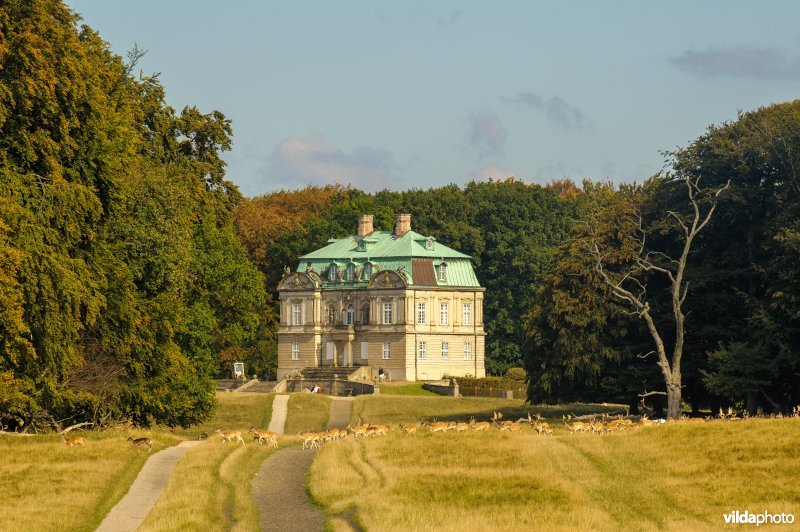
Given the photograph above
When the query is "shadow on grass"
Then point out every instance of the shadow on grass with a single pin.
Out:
(548, 412)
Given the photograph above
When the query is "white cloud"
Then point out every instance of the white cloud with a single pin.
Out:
(491, 171)
(296, 162)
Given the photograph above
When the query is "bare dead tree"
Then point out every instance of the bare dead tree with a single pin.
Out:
(628, 286)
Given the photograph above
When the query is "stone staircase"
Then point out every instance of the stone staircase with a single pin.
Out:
(327, 373)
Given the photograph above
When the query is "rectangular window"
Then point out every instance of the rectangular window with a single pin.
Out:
(443, 312)
(445, 351)
(387, 350)
(364, 350)
(421, 351)
(467, 351)
(329, 351)
(421, 313)
(467, 313)
(297, 314)
(295, 350)
(387, 313)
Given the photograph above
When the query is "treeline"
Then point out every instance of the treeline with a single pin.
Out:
(124, 288)
(742, 301)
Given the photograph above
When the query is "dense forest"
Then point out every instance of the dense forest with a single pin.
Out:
(133, 272)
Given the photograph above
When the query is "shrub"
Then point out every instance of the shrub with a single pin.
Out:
(516, 374)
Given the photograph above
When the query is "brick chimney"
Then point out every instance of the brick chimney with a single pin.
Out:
(365, 225)
(403, 225)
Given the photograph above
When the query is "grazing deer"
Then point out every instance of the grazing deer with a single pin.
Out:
(75, 440)
(408, 428)
(475, 425)
(264, 436)
(511, 426)
(142, 443)
(229, 435)
(575, 426)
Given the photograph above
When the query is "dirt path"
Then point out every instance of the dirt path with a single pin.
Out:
(279, 491)
(131, 510)
(279, 488)
(280, 406)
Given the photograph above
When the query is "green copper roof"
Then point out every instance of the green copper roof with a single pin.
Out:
(385, 251)
(382, 244)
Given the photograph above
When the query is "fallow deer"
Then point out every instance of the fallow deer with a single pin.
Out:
(75, 440)
(142, 443)
(229, 435)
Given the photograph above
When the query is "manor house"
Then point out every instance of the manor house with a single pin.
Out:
(398, 302)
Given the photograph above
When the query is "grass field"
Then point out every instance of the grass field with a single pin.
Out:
(676, 477)
(45, 485)
(307, 412)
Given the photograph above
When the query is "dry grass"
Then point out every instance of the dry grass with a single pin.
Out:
(45, 485)
(399, 409)
(307, 412)
(210, 487)
(678, 477)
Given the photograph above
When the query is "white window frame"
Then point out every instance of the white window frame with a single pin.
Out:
(445, 351)
(444, 311)
(422, 349)
(350, 272)
(422, 314)
(333, 272)
(366, 271)
(442, 273)
(467, 313)
(467, 350)
(349, 315)
(387, 350)
(364, 350)
(295, 350)
(297, 313)
(388, 313)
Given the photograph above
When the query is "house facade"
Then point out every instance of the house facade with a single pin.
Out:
(396, 301)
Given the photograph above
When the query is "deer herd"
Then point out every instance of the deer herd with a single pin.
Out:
(594, 424)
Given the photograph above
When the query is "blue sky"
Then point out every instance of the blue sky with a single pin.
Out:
(419, 94)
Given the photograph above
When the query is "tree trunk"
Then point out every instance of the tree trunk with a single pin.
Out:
(674, 409)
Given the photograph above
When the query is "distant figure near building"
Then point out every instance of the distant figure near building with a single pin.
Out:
(398, 301)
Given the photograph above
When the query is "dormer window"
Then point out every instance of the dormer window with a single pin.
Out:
(362, 245)
(430, 243)
(366, 273)
(333, 271)
(441, 272)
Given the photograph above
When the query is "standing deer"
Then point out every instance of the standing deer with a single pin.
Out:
(229, 435)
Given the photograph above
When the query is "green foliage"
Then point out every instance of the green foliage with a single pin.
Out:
(486, 383)
(516, 374)
(121, 279)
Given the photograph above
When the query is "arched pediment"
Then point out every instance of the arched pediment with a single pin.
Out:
(299, 282)
(387, 279)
